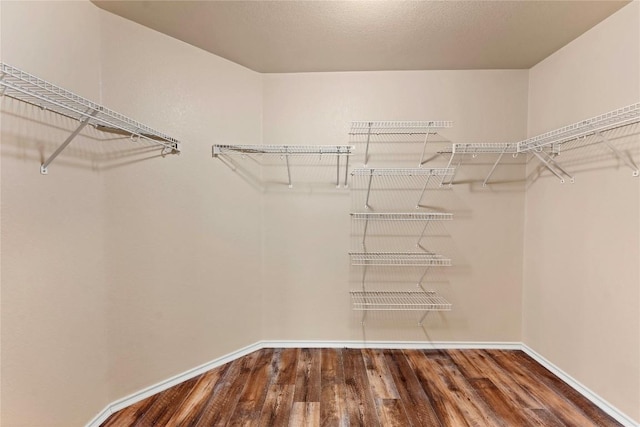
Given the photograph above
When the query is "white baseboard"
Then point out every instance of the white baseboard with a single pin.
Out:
(611, 410)
(168, 383)
(410, 345)
(402, 345)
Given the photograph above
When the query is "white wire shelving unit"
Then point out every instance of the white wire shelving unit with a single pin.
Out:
(399, 300)
(596, 126)
(399, 259)
(546, 147)
(28, 88)
(387, 173)
(402, 127)
(286, 151)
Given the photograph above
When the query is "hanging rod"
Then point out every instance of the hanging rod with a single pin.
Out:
(292, 150)
(27, 88)
(621, 117)
(399, 259)
(418, 216)
(399, 301)
(289, 150)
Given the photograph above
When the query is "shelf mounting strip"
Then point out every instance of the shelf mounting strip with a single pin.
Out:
(25, 87)
(425, 127)
(289, 150)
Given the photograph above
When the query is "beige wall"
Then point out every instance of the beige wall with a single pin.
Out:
(184, 246)
(308, 228)
(582, 240)
(121, 268)
(54, 349)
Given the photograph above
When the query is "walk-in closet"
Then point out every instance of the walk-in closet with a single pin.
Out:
(319, 213)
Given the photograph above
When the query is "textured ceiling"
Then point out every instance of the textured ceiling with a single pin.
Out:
(296, 36)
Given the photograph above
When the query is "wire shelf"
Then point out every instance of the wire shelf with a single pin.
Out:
(25, 87)
(397, 127)
(402, 171)
(399, 259)
(621, 117)
(485, 148)
(231, 149)
(387, 216)
(399, 301)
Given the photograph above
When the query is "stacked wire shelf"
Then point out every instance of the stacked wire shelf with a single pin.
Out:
(374, 187)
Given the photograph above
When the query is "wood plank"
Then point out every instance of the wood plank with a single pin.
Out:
(392, 413)
(247, 412)
(308, 376)
(598, 416)
(508, 414)
(556, 403)
(166, 403)
(509, 389)
(380, 379)
(284, 365)
(305, 414)
(333, 408)
(277, 406)
(188, 410)
(222, 402)
(129, 415)
(360, 405)
(416, 404)
(443, 395)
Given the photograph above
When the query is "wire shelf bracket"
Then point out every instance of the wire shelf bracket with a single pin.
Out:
(425, 127)
(20, 85)
(386, 172)
(286, 151)
(625, 158)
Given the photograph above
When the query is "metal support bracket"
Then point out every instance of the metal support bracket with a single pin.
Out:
(366, 151)
(44, 167)
(424, 147)
(346, 171)
(286, 157)
(486, 180)
(366, 202)
(423, 190)
(338, 169)
(552, 165)
(364, 234)
(626, 159)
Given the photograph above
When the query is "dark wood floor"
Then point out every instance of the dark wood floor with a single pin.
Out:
(340, 387)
